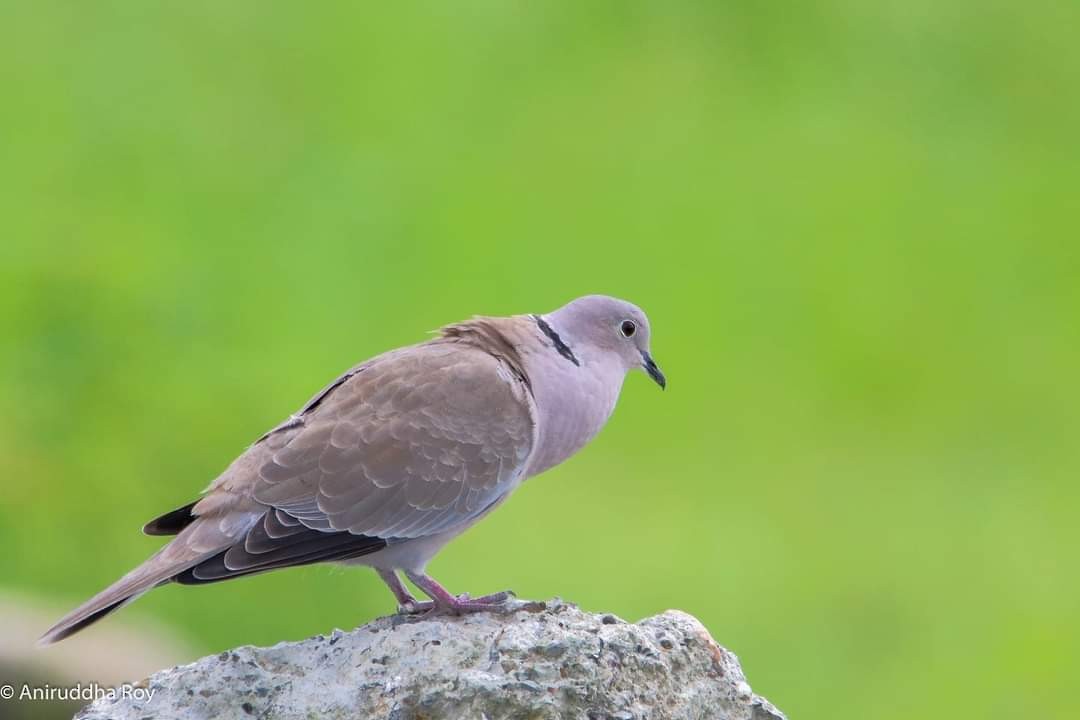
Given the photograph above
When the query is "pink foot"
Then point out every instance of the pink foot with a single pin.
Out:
(444, 601)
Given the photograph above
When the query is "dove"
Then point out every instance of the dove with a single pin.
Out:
(401, 454)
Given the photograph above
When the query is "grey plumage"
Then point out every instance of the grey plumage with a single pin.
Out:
(401, 454)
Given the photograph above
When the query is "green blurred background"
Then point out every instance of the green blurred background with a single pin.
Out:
(854, 227)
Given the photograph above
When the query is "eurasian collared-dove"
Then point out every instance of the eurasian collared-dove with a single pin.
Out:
(401, 454)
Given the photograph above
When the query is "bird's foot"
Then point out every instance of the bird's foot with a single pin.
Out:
(463, 604)
(443, 601)
(458, 604)
(498, 598)
(416, 607)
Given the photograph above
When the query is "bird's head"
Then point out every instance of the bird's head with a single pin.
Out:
(608, 327)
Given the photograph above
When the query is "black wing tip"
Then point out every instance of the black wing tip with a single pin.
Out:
(304, 548)
(171, 522)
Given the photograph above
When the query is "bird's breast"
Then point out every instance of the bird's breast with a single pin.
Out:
(572, 406)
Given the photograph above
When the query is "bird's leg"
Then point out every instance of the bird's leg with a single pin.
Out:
(406, 602)
(457, 604)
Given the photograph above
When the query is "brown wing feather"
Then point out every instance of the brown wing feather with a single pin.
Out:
(405, 448)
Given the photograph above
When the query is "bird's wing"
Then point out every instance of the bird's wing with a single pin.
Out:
(423, 441)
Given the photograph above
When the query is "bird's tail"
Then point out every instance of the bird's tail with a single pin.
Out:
(194, 544)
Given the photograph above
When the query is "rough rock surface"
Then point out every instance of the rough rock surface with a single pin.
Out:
(546, 660)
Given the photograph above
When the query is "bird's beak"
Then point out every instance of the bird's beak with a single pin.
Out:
(653, 370)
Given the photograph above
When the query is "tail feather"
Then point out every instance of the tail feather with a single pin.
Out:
(194, 544)
(145, 577)
(83, 617)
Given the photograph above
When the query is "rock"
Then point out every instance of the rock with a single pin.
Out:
(544, 660)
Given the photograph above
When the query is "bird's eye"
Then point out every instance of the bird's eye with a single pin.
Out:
(628, 328)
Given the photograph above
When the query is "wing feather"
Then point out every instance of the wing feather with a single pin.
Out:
(405, 448)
